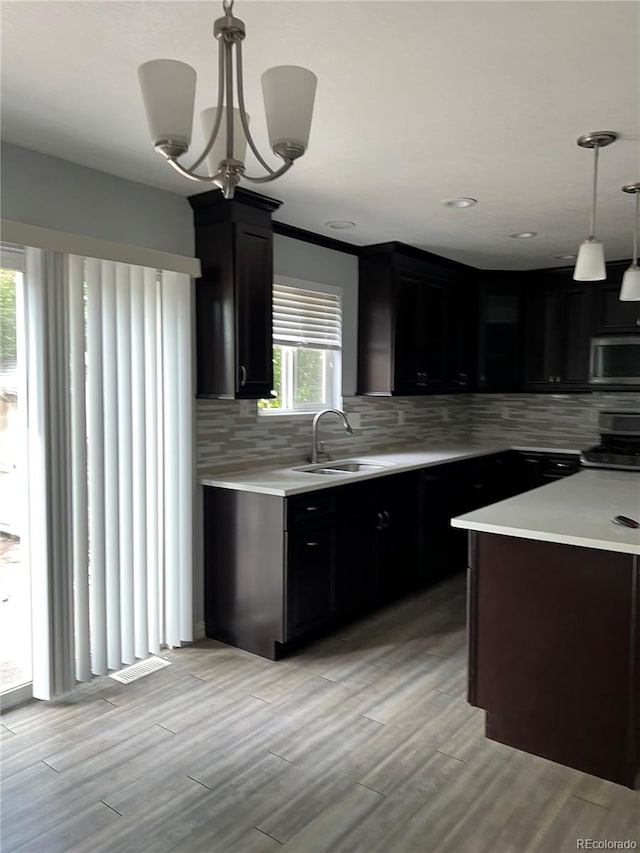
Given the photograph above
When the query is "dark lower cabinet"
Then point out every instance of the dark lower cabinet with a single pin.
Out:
(539, 469)
(279, 570)
(309, 581)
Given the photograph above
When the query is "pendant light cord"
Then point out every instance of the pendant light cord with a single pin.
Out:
(592, 232)
(636, 230)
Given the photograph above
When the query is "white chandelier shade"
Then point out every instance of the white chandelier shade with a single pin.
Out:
(168, 91)
(218, 149)
(630, 290)
(289, 92)
(590, 263)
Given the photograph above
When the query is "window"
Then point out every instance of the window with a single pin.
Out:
(307, 343)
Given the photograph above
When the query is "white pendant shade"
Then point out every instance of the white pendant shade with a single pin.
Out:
(219, 150)
(289, 92)
(590, 264)
(630, 290)
(168, 91)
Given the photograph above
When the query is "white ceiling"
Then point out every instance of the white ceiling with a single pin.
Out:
(416, 102)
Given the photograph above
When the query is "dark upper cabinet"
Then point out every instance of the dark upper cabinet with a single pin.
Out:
(611, 315)
(234, 296)
(558, 320)
(415, 328)
(499, 313)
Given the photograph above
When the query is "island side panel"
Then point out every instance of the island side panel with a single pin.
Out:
(553, 647)
(243, 559)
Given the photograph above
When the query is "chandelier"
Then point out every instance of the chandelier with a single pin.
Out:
(168, 91)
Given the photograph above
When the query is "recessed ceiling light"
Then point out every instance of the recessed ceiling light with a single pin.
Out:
(565, 257)
(340, 224)
(524, 235)
(459, 202)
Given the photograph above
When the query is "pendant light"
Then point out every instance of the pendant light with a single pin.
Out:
(630, 290)
(168, 91)
(590, 264)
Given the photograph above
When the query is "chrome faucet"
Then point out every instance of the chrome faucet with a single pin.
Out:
(318, 452)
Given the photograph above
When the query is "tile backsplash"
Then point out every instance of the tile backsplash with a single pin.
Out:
(544, 420)
(231, 434)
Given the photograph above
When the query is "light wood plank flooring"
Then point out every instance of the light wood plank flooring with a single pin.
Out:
(362, 742)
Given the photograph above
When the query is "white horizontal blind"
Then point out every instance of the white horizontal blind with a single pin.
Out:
(306, 318)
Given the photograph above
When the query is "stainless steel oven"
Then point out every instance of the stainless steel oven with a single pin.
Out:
(615, 360)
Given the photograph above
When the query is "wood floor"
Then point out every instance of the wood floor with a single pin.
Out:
(362, 742)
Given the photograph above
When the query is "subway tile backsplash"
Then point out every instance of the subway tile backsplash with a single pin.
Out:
(231, 434)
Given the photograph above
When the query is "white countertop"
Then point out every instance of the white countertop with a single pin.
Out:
(576, 510)
(286, 481)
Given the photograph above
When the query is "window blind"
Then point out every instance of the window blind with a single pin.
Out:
(306, 318)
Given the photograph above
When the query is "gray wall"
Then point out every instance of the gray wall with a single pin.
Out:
(52, 193)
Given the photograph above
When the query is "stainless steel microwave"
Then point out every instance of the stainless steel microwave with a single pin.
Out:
(615, 360)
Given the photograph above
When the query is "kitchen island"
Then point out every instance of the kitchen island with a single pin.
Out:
(554, 622)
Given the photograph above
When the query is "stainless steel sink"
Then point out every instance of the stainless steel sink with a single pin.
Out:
(342, 468)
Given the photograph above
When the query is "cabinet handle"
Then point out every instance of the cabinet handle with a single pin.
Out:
(561, 465)
(313, 544)
(551, 379)
(380, 524)
(558, 379)
(243, 375)
(311, 508)
(387, 518)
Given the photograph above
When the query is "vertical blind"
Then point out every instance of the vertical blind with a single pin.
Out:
(122, 491)
(306, 318)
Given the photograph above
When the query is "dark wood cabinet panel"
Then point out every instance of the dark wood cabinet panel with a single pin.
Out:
(553, 647)
(574, 327)
(234, 296)
(278, 570)
(499, 316)
(254, 311)
(558, 327)
(612, 315)
(416, 331)
(309, 581)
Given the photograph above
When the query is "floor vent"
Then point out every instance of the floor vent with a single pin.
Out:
(139, 670)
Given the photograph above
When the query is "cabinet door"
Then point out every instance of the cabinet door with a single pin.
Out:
(612, 315)
(433, 349)
(254, 312)
(499, 357)
(408, 355)
(420, 334)
(540, 339)
(356, 565)
(309, 581)
(460, 338)
(574, 324)
(397, 541)
(443, 549)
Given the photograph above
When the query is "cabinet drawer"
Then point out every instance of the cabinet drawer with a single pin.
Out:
(303, 509)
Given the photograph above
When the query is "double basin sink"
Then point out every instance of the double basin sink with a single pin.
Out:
(347, 466)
